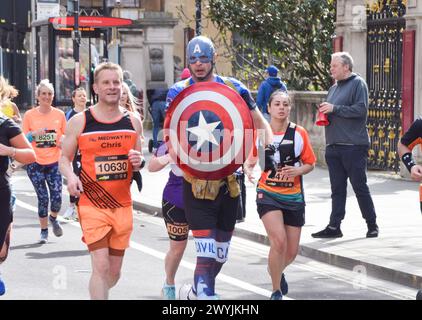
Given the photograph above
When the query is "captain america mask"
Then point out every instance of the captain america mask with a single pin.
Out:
(200, 49)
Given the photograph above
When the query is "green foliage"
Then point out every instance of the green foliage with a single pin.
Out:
(296, 35)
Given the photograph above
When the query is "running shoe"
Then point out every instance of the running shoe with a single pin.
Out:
(168, 292)
(186, 292)
(205, 297)
(69, 213)
(283, 283)
(44, 237)
(57, 228)
(2, 287)
(276, 295)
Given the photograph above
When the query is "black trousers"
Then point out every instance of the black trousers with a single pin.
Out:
(348, 162)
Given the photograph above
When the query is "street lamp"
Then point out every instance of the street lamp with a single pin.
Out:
(73, 9)
(106, 13)
(198, 17)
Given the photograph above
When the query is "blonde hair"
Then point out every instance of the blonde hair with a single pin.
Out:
(132, 101)
(7, 91)
(45, 83)
(107, 66)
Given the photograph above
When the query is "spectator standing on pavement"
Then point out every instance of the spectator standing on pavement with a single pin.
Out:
(267, 87)
(79, 99)
(158, 112)
(347, 143)
(211, 216)
(108, 139)
(13, 145)
(44, 127)
(7, 107)
(174, 217)
(280, 197)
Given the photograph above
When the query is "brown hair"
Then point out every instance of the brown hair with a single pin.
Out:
(108, 66)
(281, 92)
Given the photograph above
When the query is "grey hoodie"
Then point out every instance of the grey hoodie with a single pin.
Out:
(348, 119)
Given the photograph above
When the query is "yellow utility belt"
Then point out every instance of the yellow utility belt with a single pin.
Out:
(209, 189)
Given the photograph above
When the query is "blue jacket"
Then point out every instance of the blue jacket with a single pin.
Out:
(265, 90)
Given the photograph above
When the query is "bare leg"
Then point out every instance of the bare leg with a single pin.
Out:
(284, 241)
(173, 258)
(44, 223)
(54, 214)
(99, 282)
(115, 268)
(274, 225)
(293, 238)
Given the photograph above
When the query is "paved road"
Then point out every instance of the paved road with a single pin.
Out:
(61, 269)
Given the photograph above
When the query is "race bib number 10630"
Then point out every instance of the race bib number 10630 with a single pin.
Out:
(111, 167)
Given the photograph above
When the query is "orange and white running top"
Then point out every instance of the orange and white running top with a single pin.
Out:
(46, 146)
(106, 172)
(281, 187)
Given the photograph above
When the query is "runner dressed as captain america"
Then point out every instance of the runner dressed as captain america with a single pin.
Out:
(210, 205)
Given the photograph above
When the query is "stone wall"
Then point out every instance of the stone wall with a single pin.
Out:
(304, 112)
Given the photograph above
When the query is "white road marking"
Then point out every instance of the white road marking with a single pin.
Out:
(161, 255)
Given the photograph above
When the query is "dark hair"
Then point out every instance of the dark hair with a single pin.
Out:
(282, 92)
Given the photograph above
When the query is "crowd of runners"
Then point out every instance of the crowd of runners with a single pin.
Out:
(99, 152)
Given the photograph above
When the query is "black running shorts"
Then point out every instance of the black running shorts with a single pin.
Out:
(175, 220)
(6, 214)
(210, 214)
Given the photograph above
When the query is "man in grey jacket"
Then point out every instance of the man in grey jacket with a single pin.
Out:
(347, 142)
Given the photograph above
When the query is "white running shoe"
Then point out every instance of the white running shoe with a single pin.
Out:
(69, 214)
(186, 292)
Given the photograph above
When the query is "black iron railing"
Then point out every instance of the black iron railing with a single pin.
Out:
(385, 25)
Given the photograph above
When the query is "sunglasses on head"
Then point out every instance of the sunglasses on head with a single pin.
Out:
(202, 59)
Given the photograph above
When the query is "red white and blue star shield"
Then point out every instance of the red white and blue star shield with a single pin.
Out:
(209, 129)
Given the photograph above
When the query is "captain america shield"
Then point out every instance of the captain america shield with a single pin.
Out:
(209, 129)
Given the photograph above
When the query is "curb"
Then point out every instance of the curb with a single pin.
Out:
(370, 269)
